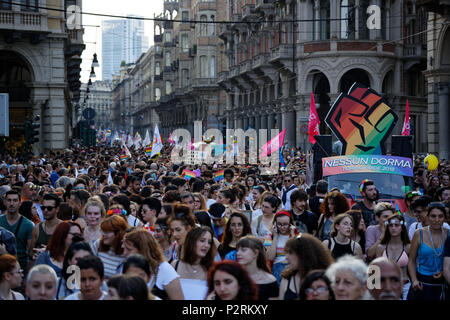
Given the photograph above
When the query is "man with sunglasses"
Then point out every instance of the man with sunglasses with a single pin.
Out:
(286, 191)
(43, 231)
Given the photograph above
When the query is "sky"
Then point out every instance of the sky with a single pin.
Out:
(92, 26)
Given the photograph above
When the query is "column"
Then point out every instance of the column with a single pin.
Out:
(245, 123)
(257, 123)
(444, 119)
(289, 125)
(264, 121)
(279, 119)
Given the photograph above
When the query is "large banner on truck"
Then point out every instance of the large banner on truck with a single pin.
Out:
(367, 163)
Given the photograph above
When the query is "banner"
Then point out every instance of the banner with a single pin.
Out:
(367, 163)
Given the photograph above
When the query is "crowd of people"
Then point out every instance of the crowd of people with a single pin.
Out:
(86, 224)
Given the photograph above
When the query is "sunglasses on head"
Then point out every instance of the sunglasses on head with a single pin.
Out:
(436, 205)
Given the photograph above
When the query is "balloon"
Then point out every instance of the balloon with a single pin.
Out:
(431, 162)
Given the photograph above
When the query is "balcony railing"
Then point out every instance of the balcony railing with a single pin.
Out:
(260, 60)
(23, 21)
(248, 11)
(282, 51)
(204, 82)
(414, 50)
(223, 76)
(245, 66)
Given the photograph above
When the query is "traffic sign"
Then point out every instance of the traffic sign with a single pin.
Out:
(89, 113)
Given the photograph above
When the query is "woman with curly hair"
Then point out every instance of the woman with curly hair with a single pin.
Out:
(236, 228)
(63, 236)
(109, 247)
(228, 280)
(303, 254)
(333, 204)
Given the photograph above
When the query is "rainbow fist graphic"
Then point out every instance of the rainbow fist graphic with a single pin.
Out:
(361, 120)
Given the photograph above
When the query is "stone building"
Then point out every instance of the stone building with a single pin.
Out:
(100, 99)
(40, 61)
(438, 75)
(281, 51)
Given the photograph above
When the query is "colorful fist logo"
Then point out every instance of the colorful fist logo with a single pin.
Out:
(361, 120)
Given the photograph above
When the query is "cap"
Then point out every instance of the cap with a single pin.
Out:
(216, 211)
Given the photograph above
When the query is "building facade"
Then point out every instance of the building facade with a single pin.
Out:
(438, 75)
(40, 59)
(292, 48)
(122, 40)
(100, 99)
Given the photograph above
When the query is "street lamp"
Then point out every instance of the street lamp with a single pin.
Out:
(95, 61)
(92, 75)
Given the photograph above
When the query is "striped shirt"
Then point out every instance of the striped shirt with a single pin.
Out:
(111, 261)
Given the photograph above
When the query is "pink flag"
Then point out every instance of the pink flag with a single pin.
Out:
(406, 127)
(273, 145)
(313, 127)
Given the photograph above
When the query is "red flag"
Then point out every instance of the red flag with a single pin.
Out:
(313, 127)
(406, 127)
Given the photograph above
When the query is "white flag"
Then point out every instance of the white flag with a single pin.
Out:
(130, 141)
(147, 140)
(157, 142)
(137, 140)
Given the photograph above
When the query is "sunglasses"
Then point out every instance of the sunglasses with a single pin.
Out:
(48, 208)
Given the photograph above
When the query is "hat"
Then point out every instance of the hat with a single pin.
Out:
(216, 211)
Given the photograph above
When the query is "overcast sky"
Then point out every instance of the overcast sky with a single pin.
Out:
(93, 34)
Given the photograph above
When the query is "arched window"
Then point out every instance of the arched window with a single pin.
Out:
(157, 30)
(157, 94)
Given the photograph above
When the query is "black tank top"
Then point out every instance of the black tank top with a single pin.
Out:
(43, 237)
(341, 249)
(289, 294)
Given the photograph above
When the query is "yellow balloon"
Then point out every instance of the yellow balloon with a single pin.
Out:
(431, 162)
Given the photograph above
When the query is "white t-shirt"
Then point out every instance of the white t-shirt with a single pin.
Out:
(194, 289)
(418, 225)
(77, 296)
(166, 274)
(262, 231)
(209, 202)
(133, 221)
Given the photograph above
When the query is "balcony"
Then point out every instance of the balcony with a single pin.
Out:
(223, 76)
(260, 60)
(158, 55)
(245, 66)
(281, 52)
(167, 69)
(204, 82)
(157, 77)
(234, 71)
(415, 51)
(75, 36)
(23, 21)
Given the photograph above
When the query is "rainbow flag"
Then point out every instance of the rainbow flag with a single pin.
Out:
(219, 175)
(188, 175)
(148, 150)
(123, 156)
(283, 164)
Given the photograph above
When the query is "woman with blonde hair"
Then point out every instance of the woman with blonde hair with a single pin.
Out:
(94, 212)
(340, 242)
(164, 281)
(109, 247)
